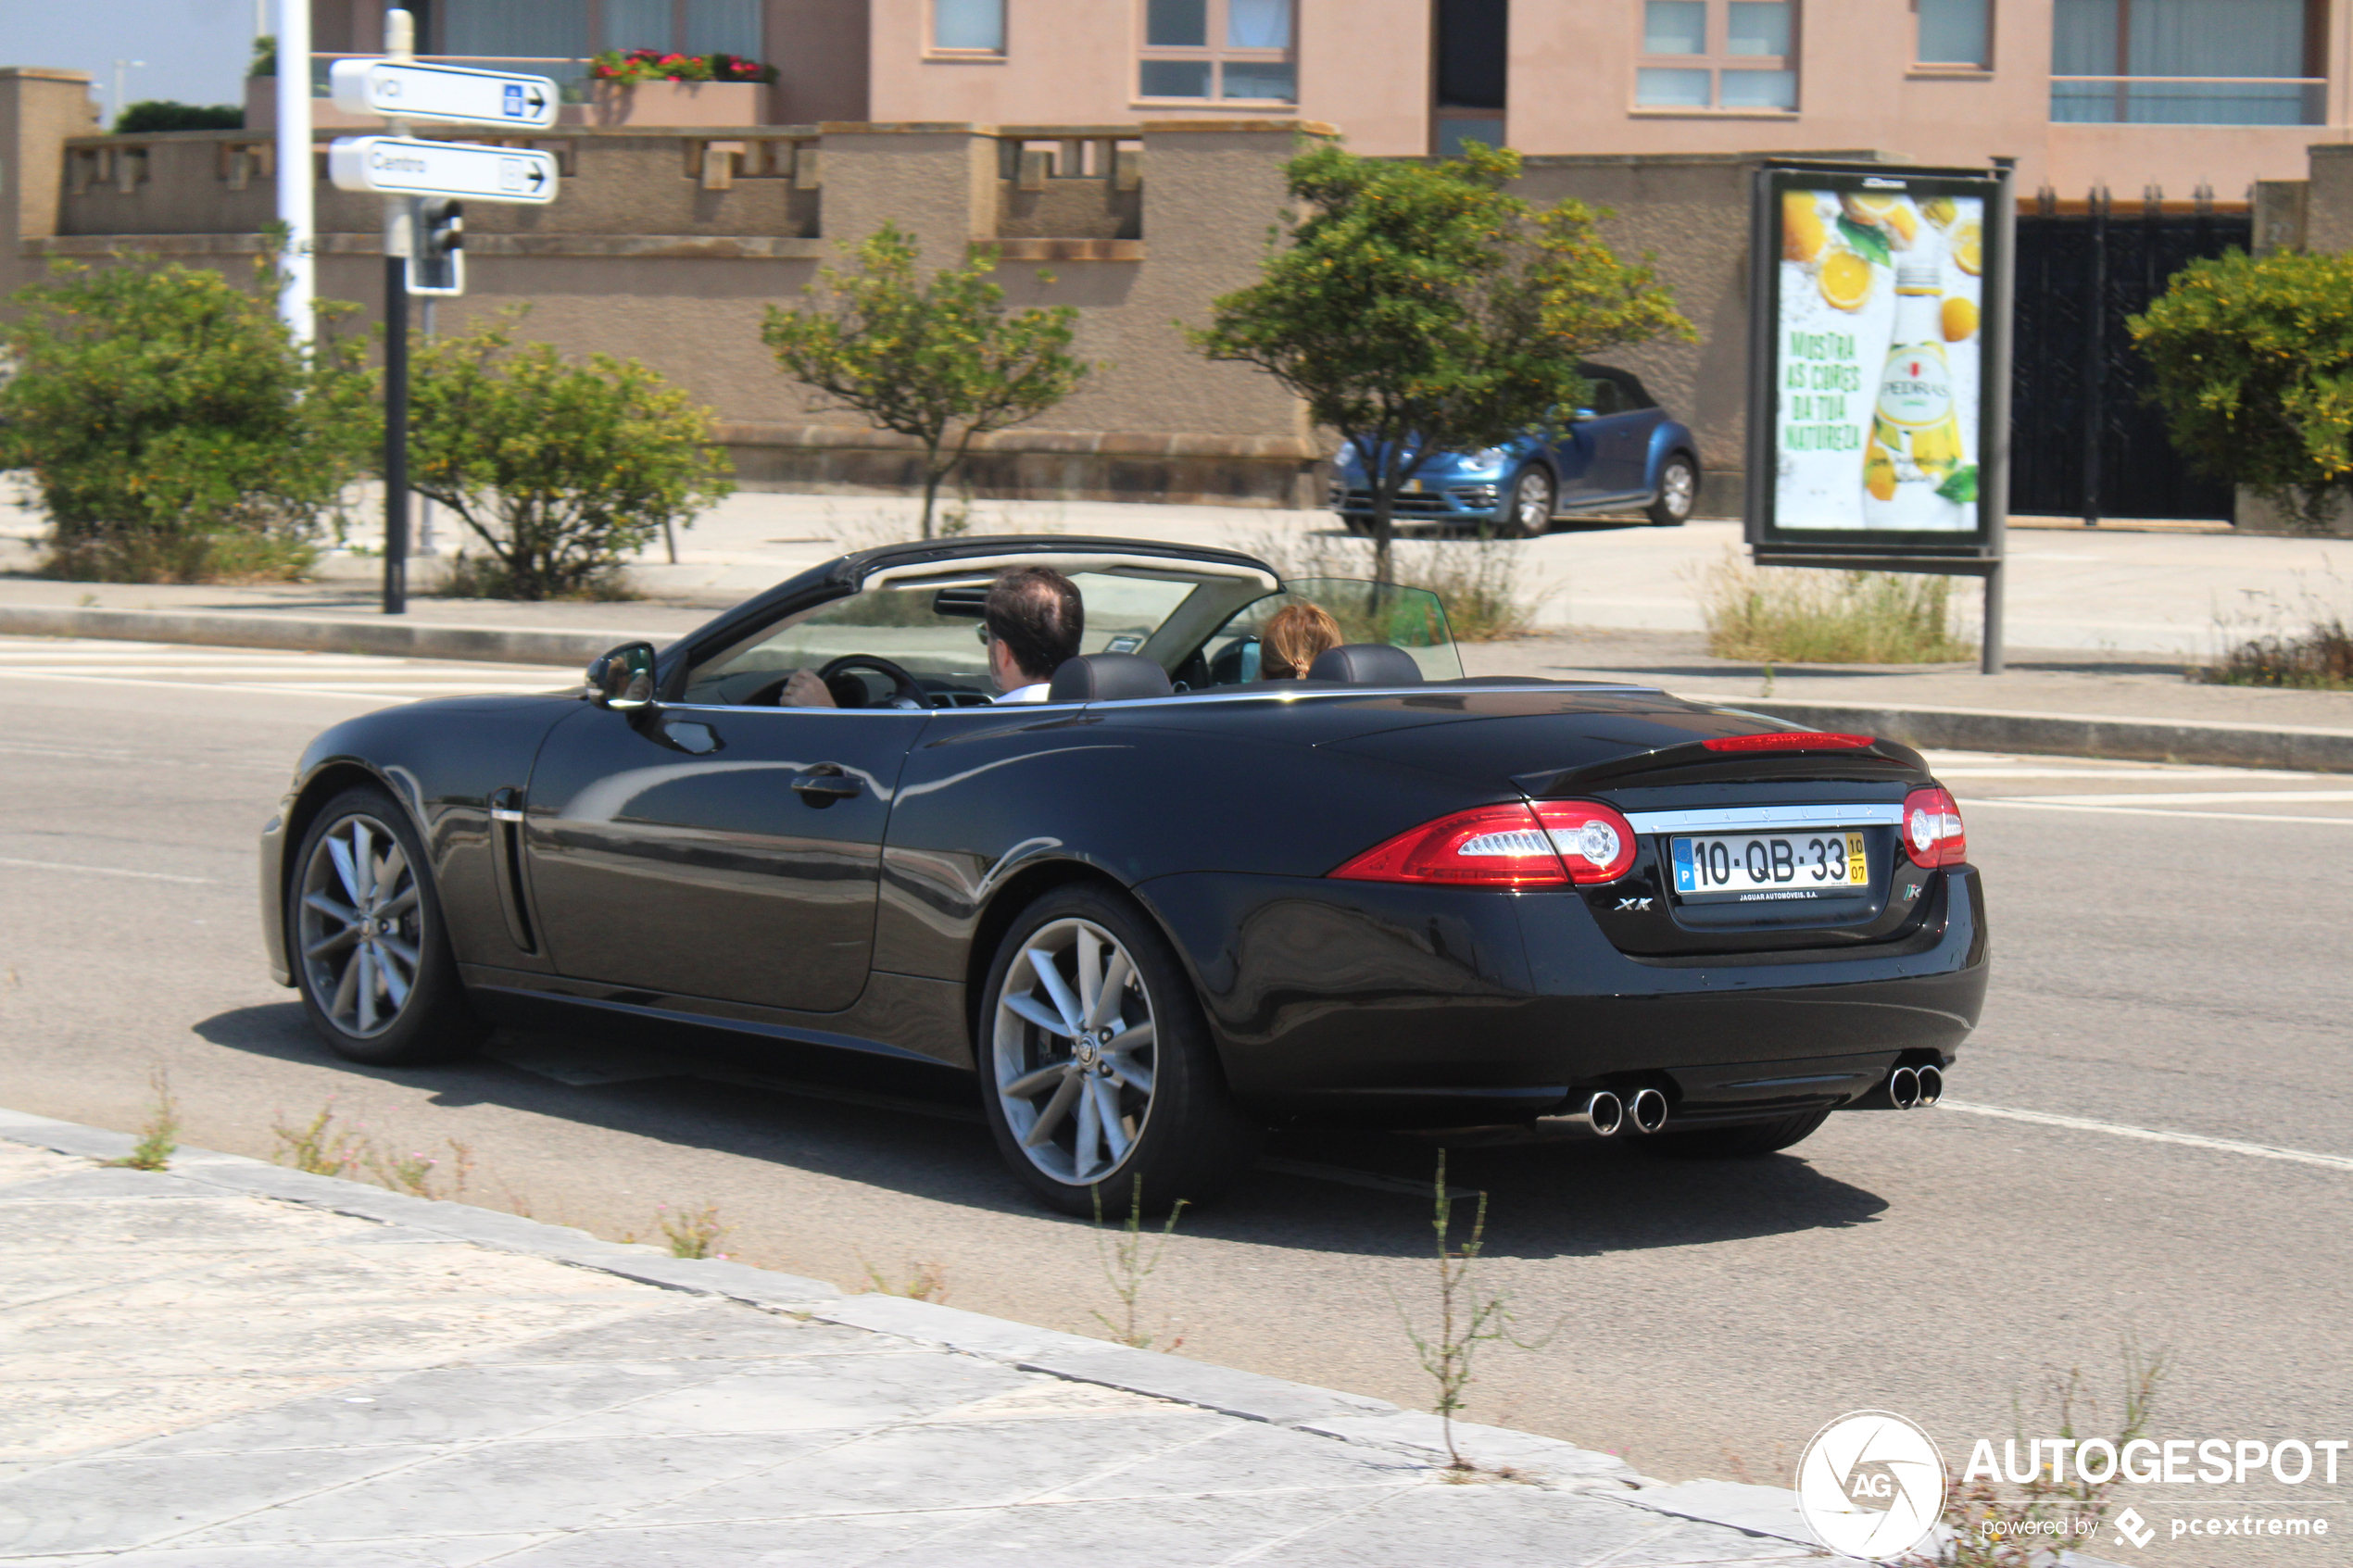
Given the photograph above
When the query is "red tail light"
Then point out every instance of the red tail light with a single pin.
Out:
(1932, 832)
(1788, 740)
(1553, 844)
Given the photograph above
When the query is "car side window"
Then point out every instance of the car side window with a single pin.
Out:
(1603, 397)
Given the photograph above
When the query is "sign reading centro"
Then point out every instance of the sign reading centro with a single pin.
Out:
(401, 165)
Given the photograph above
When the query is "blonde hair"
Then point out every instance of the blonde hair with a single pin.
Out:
(1294, 636)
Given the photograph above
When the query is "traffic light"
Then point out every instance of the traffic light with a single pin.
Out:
(437, 264)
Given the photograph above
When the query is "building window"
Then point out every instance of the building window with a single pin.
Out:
(2189, 62)
(1703, 54)
(1236, 50)
(968, 26)
(1954, 34)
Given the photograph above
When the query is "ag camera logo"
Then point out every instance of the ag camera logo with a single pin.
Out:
(1871, 1485)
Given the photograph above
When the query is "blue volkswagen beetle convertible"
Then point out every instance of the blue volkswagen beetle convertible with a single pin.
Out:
(1622, 452)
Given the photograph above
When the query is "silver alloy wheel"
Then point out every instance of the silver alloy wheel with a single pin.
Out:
(1532, 503)
(359, 926)
(1071, 1051)
(1677, 489)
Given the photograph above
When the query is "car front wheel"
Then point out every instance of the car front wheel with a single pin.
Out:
(1678, 493)
(1527, 506)
(1096, 1066)
(363, 928)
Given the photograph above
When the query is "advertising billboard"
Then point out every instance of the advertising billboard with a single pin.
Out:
(1875, 389)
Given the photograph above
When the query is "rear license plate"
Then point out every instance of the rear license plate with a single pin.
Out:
(1763, 867)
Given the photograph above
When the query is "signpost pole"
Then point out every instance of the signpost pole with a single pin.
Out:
(400, 44)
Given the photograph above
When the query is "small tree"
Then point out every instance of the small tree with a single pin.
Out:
(2253, 366)
(560, 470)
(173, 430)
(942, 361)
(1419, 309)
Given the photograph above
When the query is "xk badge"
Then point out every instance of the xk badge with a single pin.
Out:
(1634, 903)
(1871, 1485)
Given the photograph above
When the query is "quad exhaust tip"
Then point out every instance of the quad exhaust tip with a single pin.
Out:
(1647, 1110)
(1605, 1113)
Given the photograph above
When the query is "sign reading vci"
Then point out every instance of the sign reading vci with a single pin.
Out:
(1871, 399)
(397, 88)
(402, 167)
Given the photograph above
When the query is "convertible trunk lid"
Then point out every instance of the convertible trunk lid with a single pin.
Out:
(1737, 851)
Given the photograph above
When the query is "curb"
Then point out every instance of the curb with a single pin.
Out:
(1354, 1419)
(2295, 748)
(395, 636)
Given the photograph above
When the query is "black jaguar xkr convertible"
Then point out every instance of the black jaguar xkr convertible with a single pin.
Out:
(1167, 907)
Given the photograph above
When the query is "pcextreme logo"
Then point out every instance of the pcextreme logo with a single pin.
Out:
(1871, 1485)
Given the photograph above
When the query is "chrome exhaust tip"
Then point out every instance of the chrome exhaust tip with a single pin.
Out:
(1932, 1082)
(1605, 1113)
(1648, 1108)
(1904, 1088)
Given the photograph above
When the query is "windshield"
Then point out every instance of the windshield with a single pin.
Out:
(933, 631)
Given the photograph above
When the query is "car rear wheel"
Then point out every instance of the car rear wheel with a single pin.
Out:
(363, 926)
(1528, 504)
(1678, 493)
(1736, 1143)
(1096, 1066)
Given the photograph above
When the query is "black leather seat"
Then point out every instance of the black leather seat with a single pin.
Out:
(1108, 677)
(1367, 664)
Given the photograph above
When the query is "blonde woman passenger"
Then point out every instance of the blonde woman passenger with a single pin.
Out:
(1293, 637)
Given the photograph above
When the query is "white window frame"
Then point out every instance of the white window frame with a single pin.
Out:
(1720, 62)
(1217, 54)
(934, 49)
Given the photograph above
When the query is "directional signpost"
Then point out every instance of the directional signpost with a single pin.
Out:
(423, 182)
(402, 165)
(396, 90)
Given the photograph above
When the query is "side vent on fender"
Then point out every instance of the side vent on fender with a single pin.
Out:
(506, 841)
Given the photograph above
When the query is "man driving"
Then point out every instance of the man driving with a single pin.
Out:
(1031, 620)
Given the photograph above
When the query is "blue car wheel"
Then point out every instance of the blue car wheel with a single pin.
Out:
(1527, 511)
(1678, 491)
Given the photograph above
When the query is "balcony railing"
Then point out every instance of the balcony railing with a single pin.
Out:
(2189, 100)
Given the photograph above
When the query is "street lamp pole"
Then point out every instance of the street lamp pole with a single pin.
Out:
(120, 68)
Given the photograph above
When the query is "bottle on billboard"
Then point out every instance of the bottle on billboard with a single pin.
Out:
(1915, 440)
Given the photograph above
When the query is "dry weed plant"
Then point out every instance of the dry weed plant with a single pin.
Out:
(1803, 615)
(2307, 646)
(1128, 1259)
(923, 1281)
(692, 1231)
(1479, 581)
(323, 1146)
(158, 1138)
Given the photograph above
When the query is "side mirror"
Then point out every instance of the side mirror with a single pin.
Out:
(623, 679)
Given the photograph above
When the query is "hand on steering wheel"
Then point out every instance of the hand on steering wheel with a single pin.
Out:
(903, 684)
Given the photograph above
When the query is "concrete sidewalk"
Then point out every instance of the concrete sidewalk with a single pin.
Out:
(232, 1365)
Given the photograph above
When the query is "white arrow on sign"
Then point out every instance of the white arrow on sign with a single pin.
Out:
(412, 91)
(400, 165)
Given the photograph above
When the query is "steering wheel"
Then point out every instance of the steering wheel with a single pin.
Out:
(905, 685)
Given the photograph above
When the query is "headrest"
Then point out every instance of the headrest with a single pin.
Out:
(1108, 677)
(1367, 664)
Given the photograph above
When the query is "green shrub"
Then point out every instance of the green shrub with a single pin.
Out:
(560, 470)
(163, 114)
(1799, 615)
(2253, 358)
(174, 430)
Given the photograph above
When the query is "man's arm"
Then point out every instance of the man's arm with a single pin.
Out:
(804, 689)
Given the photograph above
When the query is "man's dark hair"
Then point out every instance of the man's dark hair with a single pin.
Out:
(1036, 613)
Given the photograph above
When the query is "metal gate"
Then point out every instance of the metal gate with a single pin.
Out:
(2085, 441)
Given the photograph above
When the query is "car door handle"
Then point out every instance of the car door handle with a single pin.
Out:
(824, 784)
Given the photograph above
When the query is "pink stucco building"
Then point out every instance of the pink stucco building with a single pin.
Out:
(2128, 94)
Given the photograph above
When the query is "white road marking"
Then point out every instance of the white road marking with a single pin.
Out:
(106, 870)
(2153, 1135)
(295, 671)
(2190, 797)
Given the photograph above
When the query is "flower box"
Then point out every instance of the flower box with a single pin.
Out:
(678, 103)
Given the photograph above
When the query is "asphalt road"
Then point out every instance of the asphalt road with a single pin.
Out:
(2170, 961)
